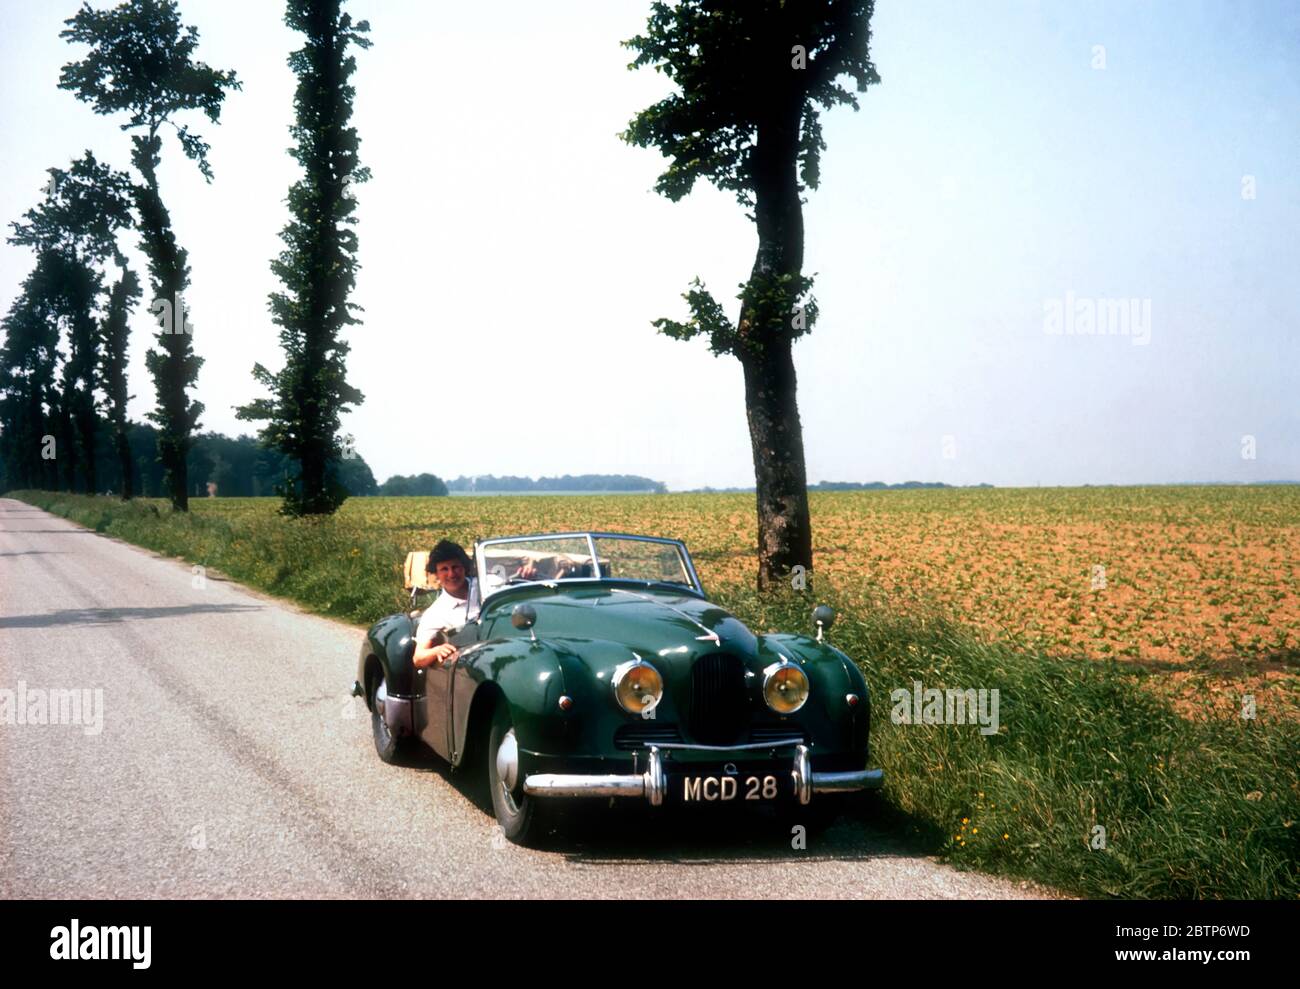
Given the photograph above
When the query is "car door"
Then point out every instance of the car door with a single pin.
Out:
(438, 694)
(460, 688)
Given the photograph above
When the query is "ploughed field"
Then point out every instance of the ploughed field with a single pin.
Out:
(1201, 584)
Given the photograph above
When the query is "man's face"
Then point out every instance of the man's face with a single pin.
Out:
(451, 576)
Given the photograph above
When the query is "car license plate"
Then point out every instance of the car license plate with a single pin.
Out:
(714, 789)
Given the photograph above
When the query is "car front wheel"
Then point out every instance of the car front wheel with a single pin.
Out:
(523, 818)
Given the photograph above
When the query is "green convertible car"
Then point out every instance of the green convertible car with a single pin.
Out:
(605, 672)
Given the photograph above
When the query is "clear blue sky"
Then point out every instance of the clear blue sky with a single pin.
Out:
(513, 254)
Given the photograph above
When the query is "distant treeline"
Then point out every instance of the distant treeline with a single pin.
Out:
(566, 482)
(239, 467)
(416, 484)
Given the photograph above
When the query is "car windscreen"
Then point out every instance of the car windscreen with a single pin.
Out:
(642, 559)
(551, 558)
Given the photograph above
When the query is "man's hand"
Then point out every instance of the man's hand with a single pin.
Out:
(444, 655)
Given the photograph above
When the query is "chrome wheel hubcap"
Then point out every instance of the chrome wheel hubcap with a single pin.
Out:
(508, 762)
(381, 698)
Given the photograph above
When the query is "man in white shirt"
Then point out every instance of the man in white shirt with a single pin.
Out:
(456, 605)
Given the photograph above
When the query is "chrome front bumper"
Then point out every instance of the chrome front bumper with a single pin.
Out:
(653, 783)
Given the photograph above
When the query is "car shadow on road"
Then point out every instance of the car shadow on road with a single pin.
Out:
(627, 831)
(630, 832)
(112, 616)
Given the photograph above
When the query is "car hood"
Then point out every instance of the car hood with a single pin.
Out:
(601, 625)
(589, 631)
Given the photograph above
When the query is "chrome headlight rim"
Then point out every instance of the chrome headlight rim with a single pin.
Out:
(771, 672)
(621, 673)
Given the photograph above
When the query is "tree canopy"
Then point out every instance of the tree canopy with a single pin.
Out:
(318, 264)
(141, 63)
(752, 78)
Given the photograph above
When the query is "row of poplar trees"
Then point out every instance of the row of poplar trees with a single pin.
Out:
(751, 78)
(140, 67)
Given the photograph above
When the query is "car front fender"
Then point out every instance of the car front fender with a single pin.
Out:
(389, 645)
(528, 676)
(832, 678)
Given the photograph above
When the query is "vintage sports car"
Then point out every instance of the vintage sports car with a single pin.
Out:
(598, 668)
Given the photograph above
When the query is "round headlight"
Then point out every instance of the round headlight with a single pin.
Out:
(785, 687)
(638, 686)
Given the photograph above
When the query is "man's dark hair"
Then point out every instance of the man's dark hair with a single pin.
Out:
(447, 550)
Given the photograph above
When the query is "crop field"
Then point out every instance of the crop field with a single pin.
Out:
(1199, 583)
(1127, 629)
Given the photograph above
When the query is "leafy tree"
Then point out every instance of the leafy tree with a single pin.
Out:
(141, 62)
(74, 232)
(117, 331)
(317, 266)
(70, 406)
(27, 383)
(752, 77)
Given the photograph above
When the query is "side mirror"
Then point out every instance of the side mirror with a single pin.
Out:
(823, 618)
(524, 616)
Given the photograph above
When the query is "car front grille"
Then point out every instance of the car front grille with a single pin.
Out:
(632, 737)
(638, 736)
(719, 708)
(777, 734)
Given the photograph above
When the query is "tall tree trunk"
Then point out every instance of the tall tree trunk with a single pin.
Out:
(85, 359)
(776, 438)
(35, 468)
(113, 369)
(46, 470)
(83, 399)
(765, 352)
(87, 441)
(65, 454)
(172, 368)
(124, 463)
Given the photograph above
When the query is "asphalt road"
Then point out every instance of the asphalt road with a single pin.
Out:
(228, 760)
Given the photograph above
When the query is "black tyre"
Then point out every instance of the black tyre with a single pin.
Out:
(390, 747)
(524, 820)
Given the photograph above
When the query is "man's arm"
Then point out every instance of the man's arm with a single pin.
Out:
(431, 646)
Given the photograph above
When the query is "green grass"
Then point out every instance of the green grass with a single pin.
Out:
(1200, 807)
(330, 566)
(1192, 808)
